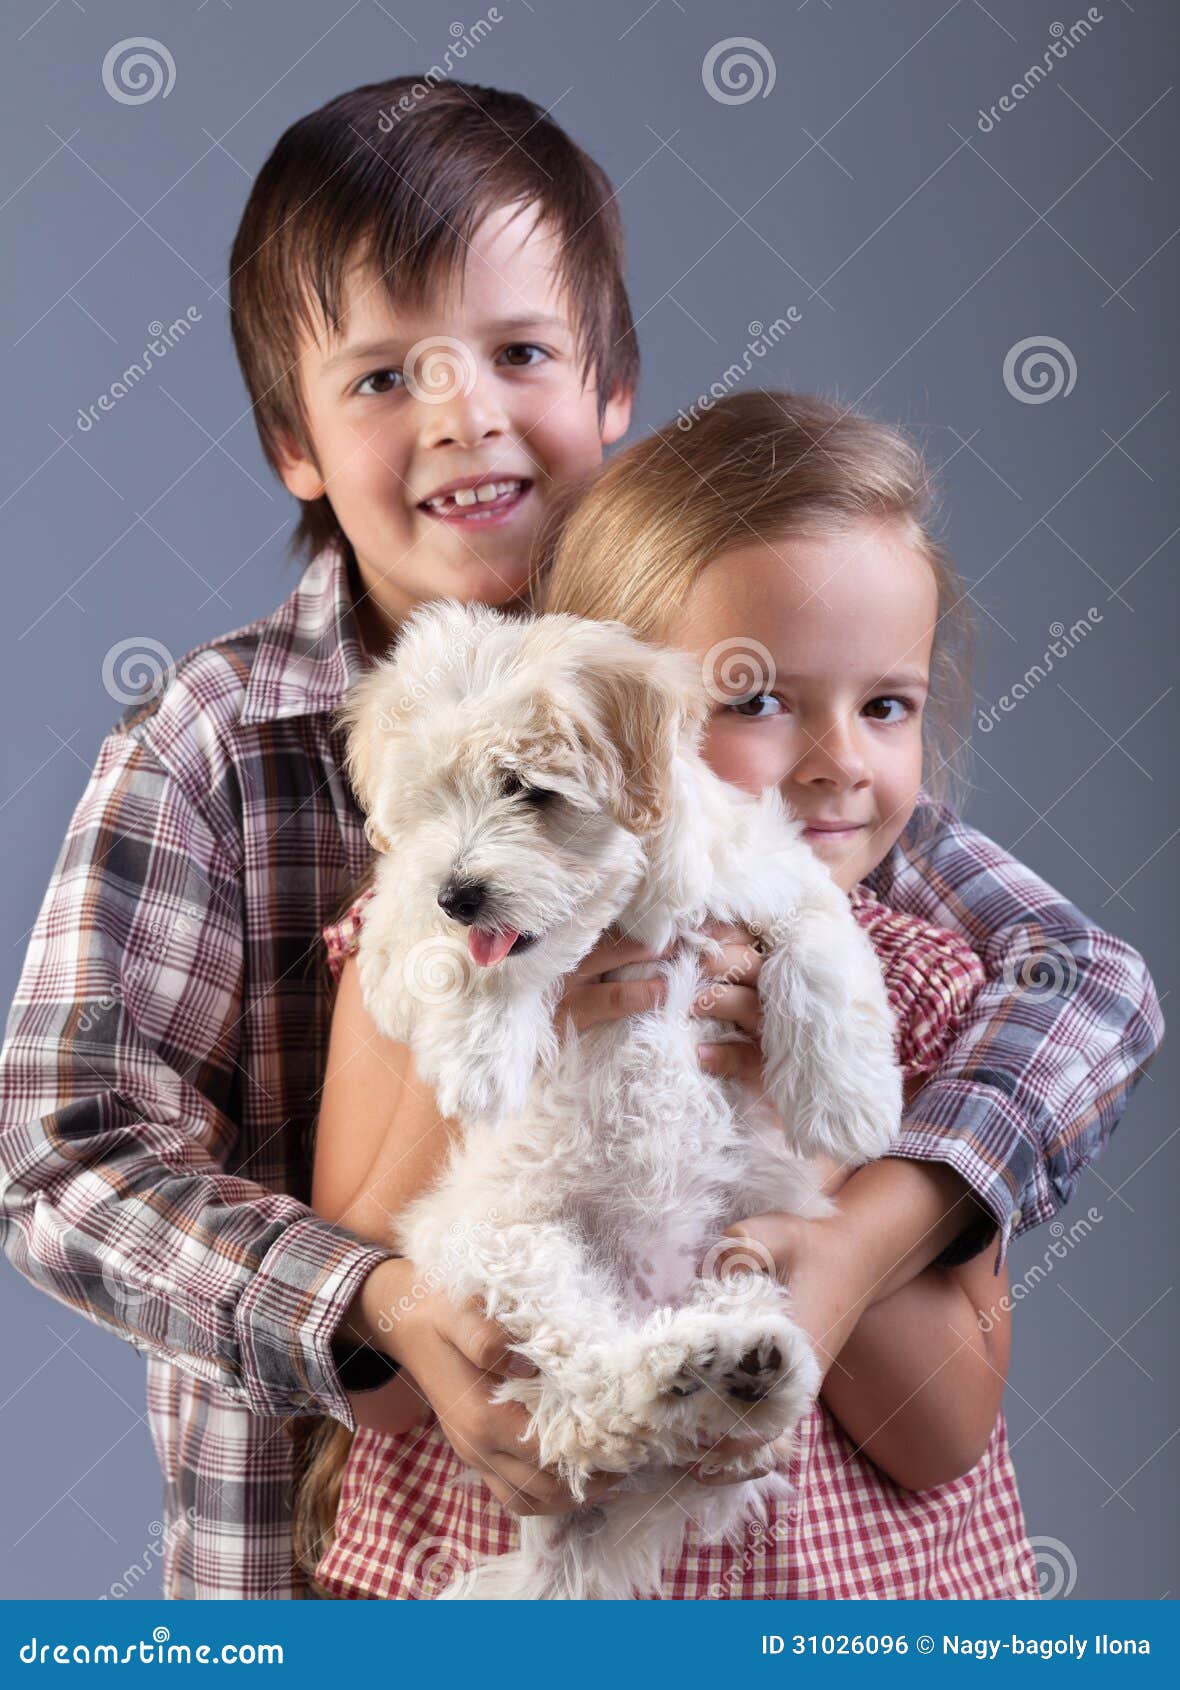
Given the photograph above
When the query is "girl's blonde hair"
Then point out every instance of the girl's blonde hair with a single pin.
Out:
(756, 467)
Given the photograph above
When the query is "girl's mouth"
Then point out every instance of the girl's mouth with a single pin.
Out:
(488, 506)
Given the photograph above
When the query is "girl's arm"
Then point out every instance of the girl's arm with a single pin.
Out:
(918, 1385)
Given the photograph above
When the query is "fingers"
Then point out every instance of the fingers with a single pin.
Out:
(609, 1000)
(740, 959)
(523, 1489)
(757, 1459)
(734, 1475)
(613, 950)
(736, 1061)
(727, 1002)
(486, 1345)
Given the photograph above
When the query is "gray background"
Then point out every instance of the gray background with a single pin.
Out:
(918, 251)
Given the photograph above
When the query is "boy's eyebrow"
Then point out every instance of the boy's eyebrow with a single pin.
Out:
(382, 348)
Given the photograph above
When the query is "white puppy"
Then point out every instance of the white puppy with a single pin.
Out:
(530, 783)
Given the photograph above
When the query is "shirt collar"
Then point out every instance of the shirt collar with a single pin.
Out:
(308, 652)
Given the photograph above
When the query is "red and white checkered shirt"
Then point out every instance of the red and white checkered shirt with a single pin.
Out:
(168, 1039)
(407, 1520)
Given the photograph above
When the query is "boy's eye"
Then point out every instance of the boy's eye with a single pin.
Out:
(752, 707)
(511, 352)
(888, 709)
(379, 380)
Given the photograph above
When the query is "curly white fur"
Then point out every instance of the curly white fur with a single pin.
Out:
(596, 1172)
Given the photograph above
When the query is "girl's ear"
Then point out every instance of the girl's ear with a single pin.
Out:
(649, 700)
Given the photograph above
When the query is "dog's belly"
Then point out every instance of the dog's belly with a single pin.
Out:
(661, 1149)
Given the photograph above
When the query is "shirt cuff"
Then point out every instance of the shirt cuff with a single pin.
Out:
(287, 1321)
(976, 1130)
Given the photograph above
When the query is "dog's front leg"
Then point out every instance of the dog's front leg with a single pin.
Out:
(828, 1033)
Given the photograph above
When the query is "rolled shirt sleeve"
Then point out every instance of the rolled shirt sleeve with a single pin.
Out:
(1052, 1046)
(118, 1081)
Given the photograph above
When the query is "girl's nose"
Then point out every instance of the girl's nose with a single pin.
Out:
(833, 757)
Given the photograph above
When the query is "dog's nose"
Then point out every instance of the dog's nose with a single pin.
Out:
(463, 899)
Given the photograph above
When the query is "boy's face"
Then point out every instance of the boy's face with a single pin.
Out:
(481, 384)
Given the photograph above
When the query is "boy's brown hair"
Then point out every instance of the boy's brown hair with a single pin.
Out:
(398, 175)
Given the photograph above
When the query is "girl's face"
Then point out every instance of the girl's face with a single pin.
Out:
(817, 655)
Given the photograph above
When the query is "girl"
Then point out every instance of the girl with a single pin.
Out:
(782, 541)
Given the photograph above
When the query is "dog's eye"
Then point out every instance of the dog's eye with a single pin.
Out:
(536, 796)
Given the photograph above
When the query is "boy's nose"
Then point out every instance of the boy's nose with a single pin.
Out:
(466, 416)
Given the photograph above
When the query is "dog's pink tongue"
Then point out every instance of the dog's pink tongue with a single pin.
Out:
(488, 948)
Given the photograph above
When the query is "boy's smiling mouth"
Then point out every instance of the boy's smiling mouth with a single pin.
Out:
(479, 501)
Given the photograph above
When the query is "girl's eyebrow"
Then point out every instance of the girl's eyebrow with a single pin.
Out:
(387, 348)
(910, 678)
(913, 679)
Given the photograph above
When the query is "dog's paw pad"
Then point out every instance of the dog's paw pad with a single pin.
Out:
(756, 1373)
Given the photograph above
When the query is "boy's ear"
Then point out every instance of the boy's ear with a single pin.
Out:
(616, 419)
(299, 473)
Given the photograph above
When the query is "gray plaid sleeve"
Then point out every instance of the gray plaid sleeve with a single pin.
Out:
(117, 1084)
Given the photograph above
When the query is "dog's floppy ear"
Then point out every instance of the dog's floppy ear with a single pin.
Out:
(429, 645)
(648, 698)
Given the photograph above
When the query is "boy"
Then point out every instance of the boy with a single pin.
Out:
(420, 309)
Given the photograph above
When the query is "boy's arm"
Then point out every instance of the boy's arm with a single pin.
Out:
(1047, 1056)
(117, 1087)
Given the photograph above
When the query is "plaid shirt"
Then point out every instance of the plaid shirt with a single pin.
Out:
(168, 1039)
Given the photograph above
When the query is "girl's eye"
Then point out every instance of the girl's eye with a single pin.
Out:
(377, 378)
(887, 709)
(750, 707)
(524, 346)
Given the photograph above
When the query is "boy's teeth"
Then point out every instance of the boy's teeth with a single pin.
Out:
(483, 495)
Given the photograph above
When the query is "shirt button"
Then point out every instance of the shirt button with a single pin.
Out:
(1016, 1217)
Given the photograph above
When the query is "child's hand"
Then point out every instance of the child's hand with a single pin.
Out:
(817, 1260)
(458, 1357)
(588, 999)
(732, 996)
